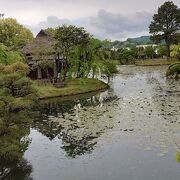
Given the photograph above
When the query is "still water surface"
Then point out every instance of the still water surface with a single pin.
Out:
(129, 132)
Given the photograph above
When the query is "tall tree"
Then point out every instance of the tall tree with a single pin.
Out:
(13, 34)
(166, 24)
(71, 41)
(17, 95)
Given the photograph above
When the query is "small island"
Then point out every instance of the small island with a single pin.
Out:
(58, 62)
(72, 87)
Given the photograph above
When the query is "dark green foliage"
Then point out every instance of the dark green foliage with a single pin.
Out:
(16, 96)
(150, 52)
(83, 53)
(72, 44)
(3, 54)
(173, 70)
(12, 128)
(109, 68)
(15, 170)
(162, 51)
(69, 37)
(166, 24)
(127, 56)
(14, 131)
(15, 85)
(8, 56)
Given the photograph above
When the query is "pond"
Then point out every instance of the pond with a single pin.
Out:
(129, 132)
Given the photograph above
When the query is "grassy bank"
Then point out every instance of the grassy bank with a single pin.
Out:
(155, 62)
(72, 87)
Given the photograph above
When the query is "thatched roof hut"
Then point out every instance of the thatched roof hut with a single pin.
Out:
(44, 41)
(42, 48)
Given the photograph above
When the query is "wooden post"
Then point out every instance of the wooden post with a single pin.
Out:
(55, 69)
(39, 73)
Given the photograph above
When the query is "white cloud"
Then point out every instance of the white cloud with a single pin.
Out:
(117, 19)
(51, 21)
(119, 26)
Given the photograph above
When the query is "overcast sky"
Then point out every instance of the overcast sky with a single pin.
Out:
(105, 19)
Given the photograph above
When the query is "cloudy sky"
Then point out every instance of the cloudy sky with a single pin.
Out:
(105, 19)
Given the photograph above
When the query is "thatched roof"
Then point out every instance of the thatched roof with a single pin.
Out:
(43, 40)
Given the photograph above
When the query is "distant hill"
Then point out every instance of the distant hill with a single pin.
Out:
(140, 40)
(130, 42)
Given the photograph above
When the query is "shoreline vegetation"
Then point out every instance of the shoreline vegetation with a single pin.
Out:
(72, 87)
(155, 62)
(150, 62)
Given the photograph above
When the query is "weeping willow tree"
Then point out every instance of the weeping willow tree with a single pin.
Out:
(86, 59)
(85, 55)
(69, 41)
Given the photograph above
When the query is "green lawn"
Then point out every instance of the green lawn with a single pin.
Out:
(72, 87)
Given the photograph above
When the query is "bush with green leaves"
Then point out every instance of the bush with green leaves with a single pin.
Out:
(19, 67)
(109, 68)
(173, 70)
(150, 52)
(17, 95)
(127, 56)
(8, 56)
(175, 51)
(16, 85)
(162, 51)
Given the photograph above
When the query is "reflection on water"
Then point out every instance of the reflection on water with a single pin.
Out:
(14, 141)
(78, 123)
(15, 170)
(131, 131)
